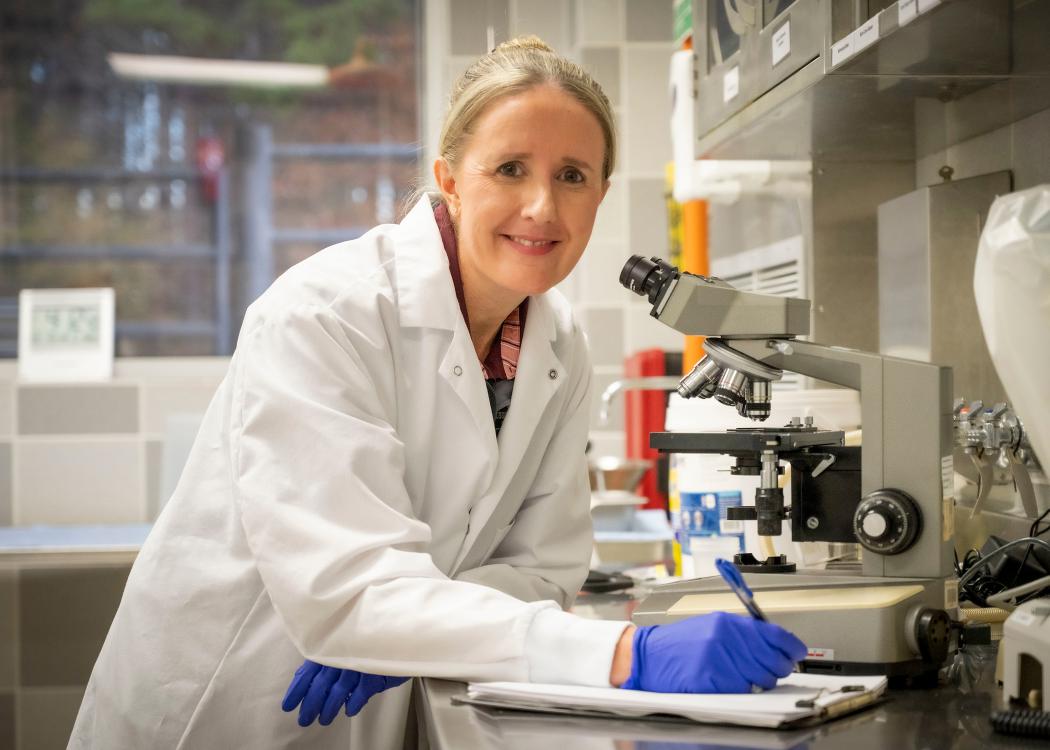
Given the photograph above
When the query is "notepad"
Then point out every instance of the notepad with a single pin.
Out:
(797, 700)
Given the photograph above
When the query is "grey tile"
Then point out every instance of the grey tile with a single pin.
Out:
(647, 108)
(650, 20)
(603, 63)
(7, 720)
(547, 19)
(7, 408)
(8, 631)
(601, 21)
(64, 615)
(77, 409)
(648, 218)
(45, 717)
(6, 481)
(163, 400)
(68, 482)
(154, 457)
(604, 327)
(469, 22)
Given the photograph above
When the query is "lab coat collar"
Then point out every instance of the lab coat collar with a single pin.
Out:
(426, 296)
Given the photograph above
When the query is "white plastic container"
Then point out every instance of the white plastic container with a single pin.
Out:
(831, 409)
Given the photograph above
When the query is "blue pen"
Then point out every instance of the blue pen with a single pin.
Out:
(736, 584)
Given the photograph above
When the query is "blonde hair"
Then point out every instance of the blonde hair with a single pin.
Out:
(513, 67)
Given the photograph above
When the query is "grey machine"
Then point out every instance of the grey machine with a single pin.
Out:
(892, 613)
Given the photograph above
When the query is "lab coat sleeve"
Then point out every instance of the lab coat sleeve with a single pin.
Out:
(546, 552)
(317, 475)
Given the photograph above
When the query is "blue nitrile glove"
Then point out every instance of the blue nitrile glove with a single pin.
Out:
(324, 690)
(715, 653)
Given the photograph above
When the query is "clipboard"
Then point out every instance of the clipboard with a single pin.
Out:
(798, 700)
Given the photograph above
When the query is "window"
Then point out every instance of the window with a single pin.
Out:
(185, 152)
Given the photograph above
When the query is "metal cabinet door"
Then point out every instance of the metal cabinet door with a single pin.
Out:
(723, 39)
(790, 35)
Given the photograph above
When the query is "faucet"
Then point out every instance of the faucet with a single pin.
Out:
(648, 383)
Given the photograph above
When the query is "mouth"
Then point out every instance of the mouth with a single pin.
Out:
(530, 245)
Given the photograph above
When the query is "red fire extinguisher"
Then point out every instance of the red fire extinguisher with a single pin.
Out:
(211, 156)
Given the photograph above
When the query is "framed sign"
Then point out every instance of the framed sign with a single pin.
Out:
(65, 334)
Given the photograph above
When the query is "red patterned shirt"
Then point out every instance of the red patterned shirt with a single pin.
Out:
(501, 362)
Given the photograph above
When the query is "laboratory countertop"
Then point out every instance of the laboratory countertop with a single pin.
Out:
(954, 716)
(71, 546)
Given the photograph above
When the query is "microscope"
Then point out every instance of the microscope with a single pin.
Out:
(893, 495)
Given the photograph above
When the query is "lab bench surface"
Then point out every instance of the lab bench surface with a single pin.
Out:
(954, 716)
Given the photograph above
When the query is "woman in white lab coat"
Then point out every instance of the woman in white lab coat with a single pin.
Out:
(348, 499)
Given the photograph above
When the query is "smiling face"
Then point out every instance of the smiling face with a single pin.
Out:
(524, 193)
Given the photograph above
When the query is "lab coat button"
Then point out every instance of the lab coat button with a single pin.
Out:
(457, 370)
(553, 374)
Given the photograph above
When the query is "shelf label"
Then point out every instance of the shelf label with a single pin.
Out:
(820, 654)
(866, 34)
(906, 11)
(925, 5)
(781, 43)
(841, 50)
(731, 83)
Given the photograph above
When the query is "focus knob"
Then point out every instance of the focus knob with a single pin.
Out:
(887, 521)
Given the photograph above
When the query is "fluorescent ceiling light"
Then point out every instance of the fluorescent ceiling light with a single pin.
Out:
(203, 71)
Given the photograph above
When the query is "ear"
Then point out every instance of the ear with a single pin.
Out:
(605, 189)
(446, 182)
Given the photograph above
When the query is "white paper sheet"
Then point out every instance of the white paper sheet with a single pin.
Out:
(772, 708)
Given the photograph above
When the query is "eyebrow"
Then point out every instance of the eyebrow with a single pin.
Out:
(567, 159)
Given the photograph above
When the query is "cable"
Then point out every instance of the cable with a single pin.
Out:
(1022, 723)
(1029, 540)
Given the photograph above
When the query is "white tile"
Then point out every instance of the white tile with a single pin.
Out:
(6, 450)
(611, 222)
(648, 109)
(163, 400)
(615, 422)
(78, 482)
(600, 21)
(547, 19)
(604, 328)
(607, 443)
(645, 332)
(602, 264)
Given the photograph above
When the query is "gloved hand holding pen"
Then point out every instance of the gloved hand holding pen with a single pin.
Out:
(713, 653)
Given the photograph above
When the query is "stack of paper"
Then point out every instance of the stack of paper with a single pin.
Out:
(797, 699)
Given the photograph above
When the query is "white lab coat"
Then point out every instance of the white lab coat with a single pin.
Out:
(344, 497)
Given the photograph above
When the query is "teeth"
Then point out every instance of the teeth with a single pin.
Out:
(530, 243)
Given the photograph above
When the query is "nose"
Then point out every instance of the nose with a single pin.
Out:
(540, 205)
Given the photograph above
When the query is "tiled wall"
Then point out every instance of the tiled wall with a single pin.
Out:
(626, 45)
(99, 452)
(85, 453)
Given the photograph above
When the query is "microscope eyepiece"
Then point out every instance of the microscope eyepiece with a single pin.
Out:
(647, 278)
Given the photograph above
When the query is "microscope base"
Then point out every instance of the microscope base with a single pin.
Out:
(852, 624)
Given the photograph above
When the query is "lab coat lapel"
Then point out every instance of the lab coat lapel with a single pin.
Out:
(540, 374)
(427, 299)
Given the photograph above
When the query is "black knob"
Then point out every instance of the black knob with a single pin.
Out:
(887, 521)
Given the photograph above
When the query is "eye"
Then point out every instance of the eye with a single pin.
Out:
(509, 169)
(574, 176)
